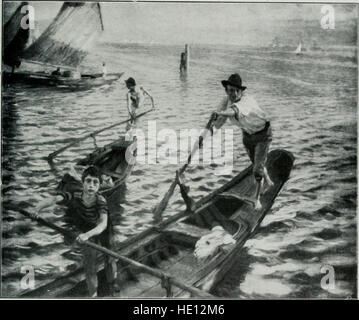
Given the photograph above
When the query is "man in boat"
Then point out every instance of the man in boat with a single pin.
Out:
(244, 112)
(88, 211)
(57, 72)
(135, 98)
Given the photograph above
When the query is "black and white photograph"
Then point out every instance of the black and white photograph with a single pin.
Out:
(179, 150)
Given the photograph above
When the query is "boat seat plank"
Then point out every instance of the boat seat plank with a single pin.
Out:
(146, 282)
(180, 265)
(134, 289)
(228, 195)
(188, 230)
(141, 242)
(186, 261)
(229, 225)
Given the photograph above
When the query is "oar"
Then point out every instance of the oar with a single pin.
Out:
(152, 271)
(54, 154)
(67, 234)
(158, 210)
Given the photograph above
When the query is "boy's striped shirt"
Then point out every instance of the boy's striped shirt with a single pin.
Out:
(85, 218)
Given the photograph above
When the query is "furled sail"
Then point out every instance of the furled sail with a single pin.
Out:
(15, 37)
(67, 39)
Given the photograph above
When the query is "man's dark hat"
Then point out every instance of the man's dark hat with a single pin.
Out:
(130, 81)
(234, 80)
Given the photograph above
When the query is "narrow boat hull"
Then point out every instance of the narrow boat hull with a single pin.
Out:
(43, 79)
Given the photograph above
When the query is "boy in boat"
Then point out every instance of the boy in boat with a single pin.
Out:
(106, 180)
(89, 213)
(244, 112)
(135, 97)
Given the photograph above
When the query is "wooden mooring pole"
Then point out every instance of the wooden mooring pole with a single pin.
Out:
(186, 50)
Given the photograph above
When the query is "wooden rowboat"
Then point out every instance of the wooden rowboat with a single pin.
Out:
(111, 161)
(169, 247)
(43, 79)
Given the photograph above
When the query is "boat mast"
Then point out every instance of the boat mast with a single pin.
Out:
(99, 9)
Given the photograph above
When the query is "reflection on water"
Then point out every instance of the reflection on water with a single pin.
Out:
(183, 75)
(312, 105)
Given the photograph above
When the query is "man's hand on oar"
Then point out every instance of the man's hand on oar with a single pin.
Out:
(82, 238)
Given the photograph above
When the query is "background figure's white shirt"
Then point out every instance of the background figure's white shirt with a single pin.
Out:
(251, 118)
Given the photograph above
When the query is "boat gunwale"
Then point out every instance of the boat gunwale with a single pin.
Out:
(55, 81)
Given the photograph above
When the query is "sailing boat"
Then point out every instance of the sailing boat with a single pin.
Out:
(63, 45)
(299, 49)
(275, 43)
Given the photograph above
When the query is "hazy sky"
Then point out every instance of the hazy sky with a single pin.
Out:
(163, 22)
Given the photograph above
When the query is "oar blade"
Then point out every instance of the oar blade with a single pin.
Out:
(161, 207)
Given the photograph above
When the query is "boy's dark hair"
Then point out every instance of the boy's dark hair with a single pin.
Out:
(93, 172)
(130, 82)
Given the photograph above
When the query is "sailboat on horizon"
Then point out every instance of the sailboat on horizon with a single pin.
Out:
(63, 45)
(275, 43)
(298, 50)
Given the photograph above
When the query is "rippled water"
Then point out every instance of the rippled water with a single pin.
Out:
(311, 99)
